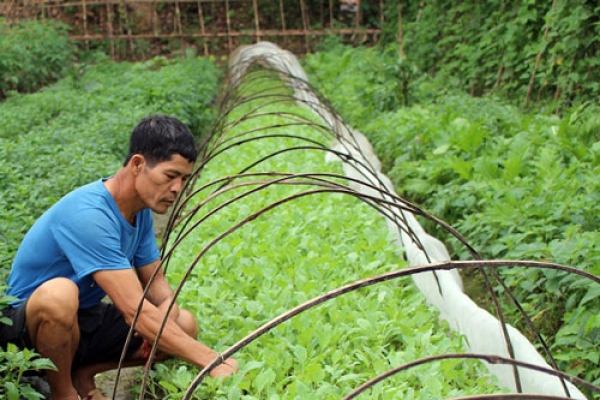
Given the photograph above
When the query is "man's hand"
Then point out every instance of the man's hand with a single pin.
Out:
(229, 367)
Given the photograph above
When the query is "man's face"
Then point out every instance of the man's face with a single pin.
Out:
(159, 186)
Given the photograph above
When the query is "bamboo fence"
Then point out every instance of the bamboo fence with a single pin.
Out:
(140, 28)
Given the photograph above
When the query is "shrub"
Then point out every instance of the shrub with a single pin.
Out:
(34, 54)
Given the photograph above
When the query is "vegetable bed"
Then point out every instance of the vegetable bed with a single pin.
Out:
(290, 254)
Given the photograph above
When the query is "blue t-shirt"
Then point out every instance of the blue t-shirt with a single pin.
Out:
(82, 233)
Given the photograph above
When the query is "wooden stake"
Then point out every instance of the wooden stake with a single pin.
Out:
(177, 23)
(256, 23)
(177, 19)
(281, 11)
(154, 18)
(85, 32)
(109, 21)
(202, 27)
(9, 13)
(322, 12)
(304, 24)
(230, 43)
(120, 30)
(127, 26)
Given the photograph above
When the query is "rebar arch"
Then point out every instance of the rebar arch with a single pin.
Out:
(505, 350)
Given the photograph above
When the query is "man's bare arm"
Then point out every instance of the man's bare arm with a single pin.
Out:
(125, 290)
(160, 292)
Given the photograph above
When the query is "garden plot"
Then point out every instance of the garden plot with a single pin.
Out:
(258, 98)
(268, 225)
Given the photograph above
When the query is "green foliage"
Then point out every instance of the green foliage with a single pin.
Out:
(74, 132)
(5, 301)
(34, 54)
(491, 46)
(77, 130)
(517, 186)
(13, 364)
(295, 252)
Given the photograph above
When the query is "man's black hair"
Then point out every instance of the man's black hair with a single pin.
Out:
(159, 137)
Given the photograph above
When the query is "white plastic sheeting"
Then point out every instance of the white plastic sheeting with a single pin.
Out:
(481, 329)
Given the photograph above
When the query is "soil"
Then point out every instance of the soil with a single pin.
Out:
(129, 379)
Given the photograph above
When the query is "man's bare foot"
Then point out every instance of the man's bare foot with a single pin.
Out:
(96, 395)
(67, 395)
(83, 382)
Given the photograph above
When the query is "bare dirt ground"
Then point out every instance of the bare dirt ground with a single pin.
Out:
(129, 379)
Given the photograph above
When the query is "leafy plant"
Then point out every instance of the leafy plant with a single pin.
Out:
(541, 53)
(14, 363)
(5, 300)
(297, 251)
(516, 185)
(34, 54)
(78, 133)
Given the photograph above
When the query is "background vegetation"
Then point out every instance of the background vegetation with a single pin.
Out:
(516, 185)
(528, 51)
(33, 55)
(291, 254)
(487, 116)
(77, 131)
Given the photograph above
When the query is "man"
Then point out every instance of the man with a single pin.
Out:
(99, 240)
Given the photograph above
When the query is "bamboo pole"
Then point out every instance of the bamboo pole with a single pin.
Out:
(120, 30)
(304, 24)
(538, 59)
(177, 19)
(177, 24)
(256, 21)
(322, 12)
(202, 27)
(9, 12)
(154, 17)
(127, 28)
(109, 21)
(229, 41)
(281, 11)
(85, 31)
(269, 33)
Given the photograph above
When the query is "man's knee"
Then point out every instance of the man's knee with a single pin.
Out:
(57, 299)
(188, 323)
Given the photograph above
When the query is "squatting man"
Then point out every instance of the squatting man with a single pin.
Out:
(99, 240)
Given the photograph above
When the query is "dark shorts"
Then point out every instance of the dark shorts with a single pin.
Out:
(102, 327)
